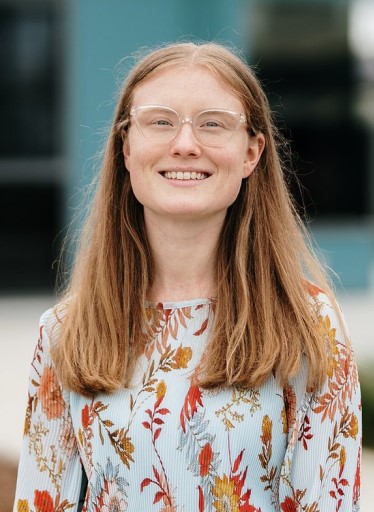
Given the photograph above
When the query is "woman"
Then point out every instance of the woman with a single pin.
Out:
(192, 365)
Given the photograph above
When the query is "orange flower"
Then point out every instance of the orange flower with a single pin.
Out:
(43, 502)
(205, 458)
(267, 426)
(50, 395)
(85, 417)
(312, 289)
(289, 505)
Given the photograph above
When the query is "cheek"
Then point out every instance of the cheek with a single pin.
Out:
(128, 159)
(234, 169)
(139, 159)
(233, 190)
(138, 165)
(232, 160)
(229, 189)
(138, 187)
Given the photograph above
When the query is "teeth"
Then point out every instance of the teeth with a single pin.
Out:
(179, 175)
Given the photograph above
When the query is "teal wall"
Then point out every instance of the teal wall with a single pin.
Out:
(102, 36)
(348, 249)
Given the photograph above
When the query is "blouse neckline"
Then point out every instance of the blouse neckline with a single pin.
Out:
(179, 304)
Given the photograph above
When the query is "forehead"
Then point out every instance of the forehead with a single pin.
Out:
(186, 87)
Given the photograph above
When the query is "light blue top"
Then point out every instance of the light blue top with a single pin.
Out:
(167, 445)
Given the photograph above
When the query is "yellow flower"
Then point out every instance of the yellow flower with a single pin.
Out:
(224, 490)
(161, 389)
(330, 337)
(267, 426)
(284, 420)
(353, 427)
(23, 506)
(27, 426)
(127, 445)
(183, 356)
(330, 333)
(343, 457)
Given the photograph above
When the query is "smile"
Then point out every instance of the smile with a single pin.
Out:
(186, 175)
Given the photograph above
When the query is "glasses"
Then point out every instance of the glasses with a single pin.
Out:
(161, 124)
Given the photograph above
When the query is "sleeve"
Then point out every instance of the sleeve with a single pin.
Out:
(50, 471)
(321, 470)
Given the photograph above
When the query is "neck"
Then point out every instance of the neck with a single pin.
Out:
(184, 257)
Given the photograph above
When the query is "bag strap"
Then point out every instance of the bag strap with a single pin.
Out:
(83, 490)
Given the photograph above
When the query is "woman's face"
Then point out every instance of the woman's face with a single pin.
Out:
(156, 168)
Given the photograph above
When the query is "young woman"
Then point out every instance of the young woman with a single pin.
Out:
(192, 365)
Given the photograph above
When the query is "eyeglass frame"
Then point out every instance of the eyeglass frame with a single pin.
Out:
(186, 119)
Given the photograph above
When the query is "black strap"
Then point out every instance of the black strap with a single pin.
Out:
(83, 491)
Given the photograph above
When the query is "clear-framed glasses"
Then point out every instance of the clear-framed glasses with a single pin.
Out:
(213, 127)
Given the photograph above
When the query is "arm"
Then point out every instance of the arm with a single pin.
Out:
(50, 472)
(321, 471)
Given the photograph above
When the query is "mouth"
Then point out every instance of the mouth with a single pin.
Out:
(185, 175)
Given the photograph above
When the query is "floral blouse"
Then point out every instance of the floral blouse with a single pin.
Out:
(166, 445)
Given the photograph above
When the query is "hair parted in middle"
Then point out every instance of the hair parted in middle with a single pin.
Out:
(263, 321)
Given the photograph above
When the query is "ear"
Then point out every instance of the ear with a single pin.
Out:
(254, 151)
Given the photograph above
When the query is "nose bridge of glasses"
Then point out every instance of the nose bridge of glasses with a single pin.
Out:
(186, 120)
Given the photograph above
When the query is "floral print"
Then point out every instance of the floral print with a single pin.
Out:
(67, 442)
(166, 445)
(43, 502)
(50, 395)
(108, 493)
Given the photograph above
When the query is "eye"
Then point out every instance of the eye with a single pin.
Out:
(211, 124)
(213, 121)
(156, 118)
(162, 122)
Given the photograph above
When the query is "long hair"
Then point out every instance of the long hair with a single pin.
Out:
(263, 320)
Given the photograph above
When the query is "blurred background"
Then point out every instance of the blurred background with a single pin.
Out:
(61, 62)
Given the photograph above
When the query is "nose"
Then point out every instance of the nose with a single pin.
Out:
(185, 143)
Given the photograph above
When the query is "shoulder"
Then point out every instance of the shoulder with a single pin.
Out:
(50, 323)
(319, 297)
(336, 342)
(45, 391)
(342, 375)
(328, 315)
